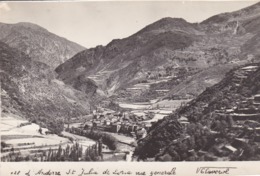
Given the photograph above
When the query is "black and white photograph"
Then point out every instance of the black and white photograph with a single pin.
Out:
(133, 81)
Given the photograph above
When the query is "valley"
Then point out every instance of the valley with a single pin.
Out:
(24, 140)
(172, 91)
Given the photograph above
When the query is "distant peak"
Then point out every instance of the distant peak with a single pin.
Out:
(26, 24)
(170, 19)
(166, 23)
(31, 26)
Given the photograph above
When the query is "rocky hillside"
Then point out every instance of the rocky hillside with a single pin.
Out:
(164, 49)
(126, 61)
(244, 22)
(40, 44)
(223, 123)
(29, 89)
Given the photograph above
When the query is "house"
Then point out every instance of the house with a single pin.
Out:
(86, 125)
(184, 121)
(237, 127)
(182, 118)
(236, 116)
(141, 133)
(132, 128)
(192, 152)
(107, 122)
(229, 110)
(109, 112)
(96, 123)
(114, 119)
(229, 148)
(115, 127)
(125, 128)
(214, 132)
(201, 152)
(165, 112)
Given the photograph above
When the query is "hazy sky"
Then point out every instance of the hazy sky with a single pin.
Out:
(97, 23)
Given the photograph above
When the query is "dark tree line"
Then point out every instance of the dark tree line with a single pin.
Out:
(107, 139)
(70, 153)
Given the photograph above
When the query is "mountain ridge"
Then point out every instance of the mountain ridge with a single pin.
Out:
(38, 43)
(120, 49)
(167, 44)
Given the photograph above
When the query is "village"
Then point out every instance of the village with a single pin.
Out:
(236, 127)
(24, 138)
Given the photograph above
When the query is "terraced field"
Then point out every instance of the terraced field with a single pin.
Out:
(20, 134)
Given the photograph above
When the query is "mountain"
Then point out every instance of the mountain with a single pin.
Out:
(29, 89)
(37, 42)
(245, 20)
(169, 52)
(222, 123)
(125, 61)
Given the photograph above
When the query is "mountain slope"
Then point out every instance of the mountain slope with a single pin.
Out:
(245, 19)
(40, 44)
(164, 49)
(219, 117)
(29, 89)
(195, 84)
(244, 22)
(124, 61)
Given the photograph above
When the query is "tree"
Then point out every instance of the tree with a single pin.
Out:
(40, 130)
(67, 153)
(165, 157)
(80, 152)
(87, 157)
(49, 154)
(3, 145)
(53, 156)
(249, 152)
(58, 156)
(100, 145)
(73, 154)
(56, 126)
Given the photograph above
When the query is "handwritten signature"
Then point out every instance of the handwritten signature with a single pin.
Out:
(214, 170)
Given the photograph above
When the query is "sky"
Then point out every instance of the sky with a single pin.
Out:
(97, 23)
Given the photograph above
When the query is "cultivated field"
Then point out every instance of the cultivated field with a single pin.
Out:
(20, 136)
